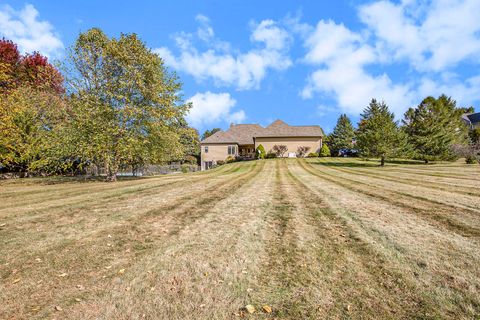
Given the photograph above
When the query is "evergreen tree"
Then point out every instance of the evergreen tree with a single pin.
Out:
(433, 127)
(324, 151)
(342, 135)
(260, 152)
(378, 134)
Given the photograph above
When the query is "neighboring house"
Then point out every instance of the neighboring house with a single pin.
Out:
(472, 120)
(243, 139)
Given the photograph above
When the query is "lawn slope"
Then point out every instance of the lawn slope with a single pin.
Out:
(310, 238)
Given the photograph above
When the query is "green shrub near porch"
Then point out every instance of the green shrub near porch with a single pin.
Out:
(260, 152)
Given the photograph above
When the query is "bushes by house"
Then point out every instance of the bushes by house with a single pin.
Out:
(302, 151)
(313, 155)
(230, 159)
(260, 152)
(324, 151)
(279, 150)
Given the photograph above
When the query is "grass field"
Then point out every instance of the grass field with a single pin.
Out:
(315, 238)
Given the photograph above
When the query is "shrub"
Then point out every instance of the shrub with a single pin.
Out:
(260, 152)
(325, 151)
(191, 160)
(312, 155)
(279, 150)
(471, 152)
(302, 151)
(220, 162)
(470, 159)
(271, 155)
(230, 159)
(185, 168)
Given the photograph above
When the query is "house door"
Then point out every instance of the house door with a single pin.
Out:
(208, 165)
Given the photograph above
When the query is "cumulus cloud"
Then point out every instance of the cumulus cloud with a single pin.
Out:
(342, 56)
(274, 37)
(227, 68)
(427, 40)
(30, 33)
(432, 37)
(209, 108)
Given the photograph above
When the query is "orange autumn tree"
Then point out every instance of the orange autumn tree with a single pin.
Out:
(31, 107)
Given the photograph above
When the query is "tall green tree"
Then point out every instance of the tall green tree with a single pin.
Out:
(342, 135)
(189, 138)
(434, 126)
(126, 103)
(378, 134)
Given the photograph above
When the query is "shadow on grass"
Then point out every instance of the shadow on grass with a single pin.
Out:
(365, 163)
(62, 180)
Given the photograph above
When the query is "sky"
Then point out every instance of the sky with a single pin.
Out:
(305, 62)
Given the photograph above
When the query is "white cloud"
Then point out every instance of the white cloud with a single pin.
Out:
(428, 40)
(274, 37)
(432, 37)
(204, 31)
(342, 56)
(31, 34)
(209, 108)
(218, 62)
(464, 92)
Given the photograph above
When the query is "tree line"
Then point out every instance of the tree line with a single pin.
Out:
(432, 131)
(113, 104)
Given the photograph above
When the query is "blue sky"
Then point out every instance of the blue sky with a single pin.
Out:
(301, 61)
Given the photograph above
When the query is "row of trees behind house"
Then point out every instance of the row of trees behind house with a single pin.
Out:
(118, 106)
(432, 131)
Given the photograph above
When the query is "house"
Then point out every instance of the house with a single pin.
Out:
(472, 120)
(241, 140)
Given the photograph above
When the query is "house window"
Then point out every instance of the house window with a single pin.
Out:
(232, 150)
(206, 149)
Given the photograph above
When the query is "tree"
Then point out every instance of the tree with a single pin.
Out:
(189, 138)
(342, 135)
(302, 151)
(433, 127)
(208, 133)
(324, 151)
(32, 70)
(280, 150)
(474, 135)
(32, 109)
(378, 134)
(260, 152)
(30, 121)
(125, 102)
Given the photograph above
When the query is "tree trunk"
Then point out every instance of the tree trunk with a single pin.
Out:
(111, 171)
(426, 161)
(382, 161)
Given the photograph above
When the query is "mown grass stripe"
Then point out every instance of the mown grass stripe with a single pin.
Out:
(447, 222)
(406, 181)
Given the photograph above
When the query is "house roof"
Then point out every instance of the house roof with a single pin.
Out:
(245, 133)
(473, 118)
(280, 129)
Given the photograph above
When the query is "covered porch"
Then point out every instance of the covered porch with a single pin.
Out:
(246, 150)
